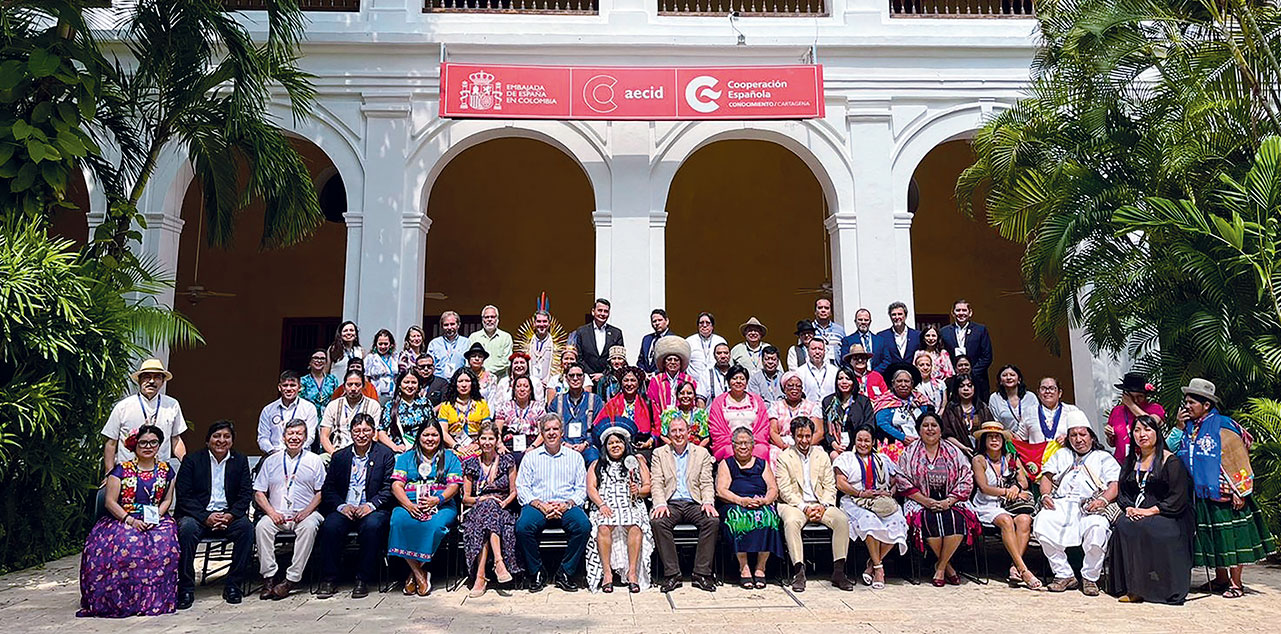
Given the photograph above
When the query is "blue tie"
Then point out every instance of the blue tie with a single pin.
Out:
(867, 347)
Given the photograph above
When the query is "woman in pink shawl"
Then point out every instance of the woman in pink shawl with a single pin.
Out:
(734, 409)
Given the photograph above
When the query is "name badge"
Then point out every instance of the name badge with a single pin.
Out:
(150, 514)
(575, 430)
(518, 442)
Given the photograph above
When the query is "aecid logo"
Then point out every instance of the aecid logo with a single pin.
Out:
(700, 96)
(600, 91)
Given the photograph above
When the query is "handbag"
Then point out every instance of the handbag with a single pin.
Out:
(1112, 511)
(1018, 505)
(883, 505)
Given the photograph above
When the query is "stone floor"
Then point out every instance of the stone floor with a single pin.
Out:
(45, 599)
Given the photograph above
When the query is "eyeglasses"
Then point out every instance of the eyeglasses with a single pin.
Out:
(318, 359)
(575, 375)
(1048, 388)
(148, 443)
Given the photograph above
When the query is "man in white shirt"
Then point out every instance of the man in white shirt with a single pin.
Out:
(711, 383)
(497, 343)
(807, 495)
(448, 348)
(826, 329)
(1053, 418)
(287, 489)
(702, 346)
(147, 407)
(272, 419)
(1077, 483)
(818, 376)
(748, 353)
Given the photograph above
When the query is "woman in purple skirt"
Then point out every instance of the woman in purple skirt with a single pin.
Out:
(130, 562)
(489, 527)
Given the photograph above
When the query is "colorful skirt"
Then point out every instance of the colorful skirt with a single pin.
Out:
(418, 539)
(1229, 537)
(128, 572)
(753, 530)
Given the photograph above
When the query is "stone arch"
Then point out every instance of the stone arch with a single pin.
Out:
(956, 122)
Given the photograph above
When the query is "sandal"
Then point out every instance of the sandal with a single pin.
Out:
(879, 585)
(867, 575)
(1234, 592)
(633, 588)
(1016, 578)
(1030, 579)
(758, 580)
(607, 587)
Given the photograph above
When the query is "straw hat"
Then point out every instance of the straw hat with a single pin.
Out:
(672, 345)
(857, 350)
(156, 366)
(992, 427)
(752, 322)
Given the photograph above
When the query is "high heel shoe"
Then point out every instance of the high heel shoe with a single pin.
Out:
(503, 576)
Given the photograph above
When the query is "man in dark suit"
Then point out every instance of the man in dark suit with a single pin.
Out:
(593, 340)
(970, 339)
(212, 495)
(645, 360)
(357, 494)
(896, 344)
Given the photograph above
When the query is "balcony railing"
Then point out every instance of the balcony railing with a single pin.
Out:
(550, 7)
(745, 8)
(305, 5)
(962, 8)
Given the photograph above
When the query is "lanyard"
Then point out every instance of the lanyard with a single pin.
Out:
(1018, 417)
(707, 346)
(149, 419)
(285, 418)
(810, 368)
(290, 477)
(575, 410)
(1047, 430)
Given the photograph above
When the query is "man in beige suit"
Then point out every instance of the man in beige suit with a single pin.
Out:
(807, 493)
(683, 491)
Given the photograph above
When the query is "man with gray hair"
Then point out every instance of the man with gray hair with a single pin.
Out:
(497, 343)
(448, 348)
(552, 488)
(287, 489)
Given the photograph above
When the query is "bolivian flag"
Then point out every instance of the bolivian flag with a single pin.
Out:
(1034, 455)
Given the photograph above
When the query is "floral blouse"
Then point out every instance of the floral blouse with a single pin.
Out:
(697, 421)
(317, 394)
(408, 416)
(152, 484)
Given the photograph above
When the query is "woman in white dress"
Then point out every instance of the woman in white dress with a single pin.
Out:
(1012, 403)
(866, 480)
(999, 477)
(617, 485)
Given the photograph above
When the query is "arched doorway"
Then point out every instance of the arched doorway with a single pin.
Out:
(256, 309)
(954, 256)
(510, 218)
(745, 237)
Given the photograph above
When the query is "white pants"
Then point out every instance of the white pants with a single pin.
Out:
(265, 532)
(1095, 533)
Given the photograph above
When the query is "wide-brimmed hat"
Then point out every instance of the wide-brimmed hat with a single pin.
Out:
(752, 322)
(618, 351)
(156, 366)
(992, 427)
(857, 350)
(906, 367)
(1135, 382)
(1202, 388)
(804, 325)
(671, 345)
(476, 349)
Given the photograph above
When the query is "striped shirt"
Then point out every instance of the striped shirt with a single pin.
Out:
(559, 477)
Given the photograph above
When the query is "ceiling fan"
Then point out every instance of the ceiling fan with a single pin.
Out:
(825, 289)
(435, 295)
(195, 292)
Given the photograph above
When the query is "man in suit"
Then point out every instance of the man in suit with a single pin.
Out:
(645, 360)
(807, 494)
(213, 493)
(594, 340)
(862, 334)
(896, 344)
(970, 339)
(357, 494)
(683, 492)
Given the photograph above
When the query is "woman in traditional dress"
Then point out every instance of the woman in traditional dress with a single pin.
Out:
(866, 480)
(1230, 529)
(318, 384)
(1003, 498)
(346, 346)
(403, 414)
(462, 413)
(611, 382)
(129, 566)
(964, 414)
(844, 411)
(631, 404)
(1012, 403)
(937, 480)
(1151, 547)
(489, 527)
(381, 365)
(1136, 401)
(425, 483)
(898, 409)
(737, 409)
(745, 483)
(685, 406)
(617, 485)
(786, 409)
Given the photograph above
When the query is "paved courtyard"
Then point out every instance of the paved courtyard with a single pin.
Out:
(45, 600)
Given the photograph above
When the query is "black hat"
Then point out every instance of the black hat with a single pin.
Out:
(1135, 382)
(475, 349)
(804, 325)
(907, 367)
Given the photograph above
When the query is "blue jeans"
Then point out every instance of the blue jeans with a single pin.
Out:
(530, 525)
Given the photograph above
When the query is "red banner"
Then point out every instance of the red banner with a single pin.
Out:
(625, 93)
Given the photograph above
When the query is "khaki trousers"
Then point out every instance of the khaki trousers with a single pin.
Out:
(265, 532)
(794, 520)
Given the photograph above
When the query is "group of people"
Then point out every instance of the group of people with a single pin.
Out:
(890, 439)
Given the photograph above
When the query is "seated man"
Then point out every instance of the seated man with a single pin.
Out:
(807, 494)
(1077, 483)
(684, 492)
(356, 494)
(552, 487)
(274, 417)
(213, 492)
(287, 490)
(577, 409)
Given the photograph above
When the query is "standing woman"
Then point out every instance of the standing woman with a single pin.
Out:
(1151, 547)
(425, 483)
(318, 384)
(865, 477)
(964, 414)
(517, 419)
(1003, 498)
(462, 413)
(346, 346)
(745, 484)
(489, 527)
(1136, 401)
(685, 406)
(381, 365)
(415, 340)
(1230, 529)
(404, 414)
(632, 404)
(129, 566)
(844, 411)
(932, 344)
(617, 485)
(1012, 403)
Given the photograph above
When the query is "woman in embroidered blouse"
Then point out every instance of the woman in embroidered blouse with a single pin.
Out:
(318, 384)
(518, 417)
(129, 566)
(686, 406)
(403, 414)
(415, 346)
(737, 409)
(631, 404)
(489, 527)
(937, 480)
(964, 414)
(792, 404)
(898, 409)
(462, 413)
(425, 483)
(932, 388)
(999, 476)
(502, 394)
(346, 346)
(932, 344)
(862, 476)
(381, 366)
(1011, 403)
(844, 411)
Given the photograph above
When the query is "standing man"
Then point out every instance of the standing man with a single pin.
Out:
(964, 337)
(448, 348)
(552, 487)
(819, 375)
(212, 495)
(712, 383)
(826, 329)
(430, 387)
(683, 492)
(807, 495)
(768, 382)
(702, 346)
(593, 340)
(748, 354)
(287, 489)
(497, 343)
(147, 407)
(896, 344)
(645, 360)
(542, 350)
(862, 334)
(272, 419)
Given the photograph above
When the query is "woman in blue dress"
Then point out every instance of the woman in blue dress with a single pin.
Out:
(425, 481)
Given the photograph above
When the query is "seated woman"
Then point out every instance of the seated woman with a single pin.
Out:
(898, 410)
(617, 485)
(129, 566)
(937, 480)
(964, 413)
(403, 414)
(425, 483)
(1151, 547)
(518, 417)
(844, 411)
(745, 483)
(489, 527)
(865, 479)
(931, 388)
(462, 413)
(631, 404)
(686, 406)
(737, 409)
(503, 389)
(785, 410)
(1003, 498)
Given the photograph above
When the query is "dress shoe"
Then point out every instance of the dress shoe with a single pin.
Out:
(798, 577)
(673, 582)
(325, 590)
(232, 594)
(838, 576)
(185, 599)
(536, 581)
(706, 584)
(282, 590)
(563, 582)
(360, 591)
(267, 587)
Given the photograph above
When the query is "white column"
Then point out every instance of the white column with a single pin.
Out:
(413, 268)
(603, 221)
(160, 245)
(903, 256)
(843, 236)
(630, 286)
(657, 260)
(880, 262)
(384, 284)
(355, 222)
